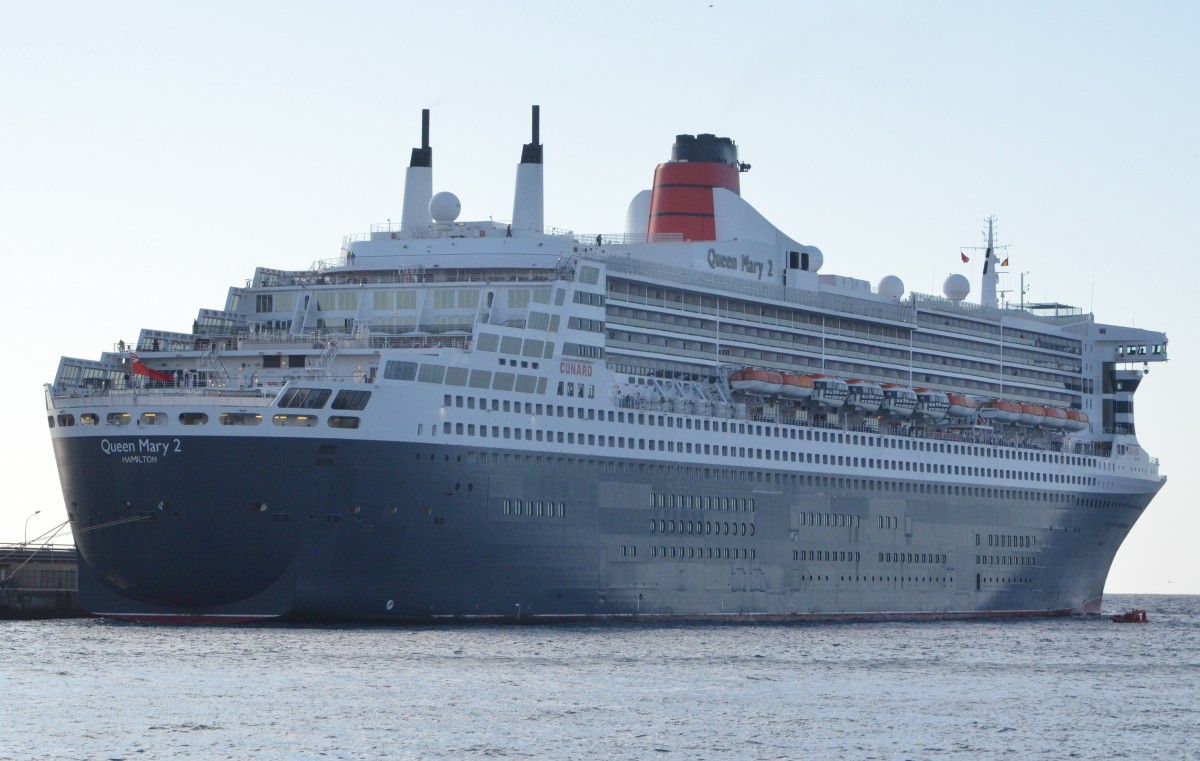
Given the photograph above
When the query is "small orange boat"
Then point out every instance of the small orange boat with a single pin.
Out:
(1077, 420)
(752, 380)
(1132, 616)
(795, 386)
(1056, 417)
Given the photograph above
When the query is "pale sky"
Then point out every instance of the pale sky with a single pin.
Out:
(152, 154)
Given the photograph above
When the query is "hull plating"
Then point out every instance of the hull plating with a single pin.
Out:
(220, 529)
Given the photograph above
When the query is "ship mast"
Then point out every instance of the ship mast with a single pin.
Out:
(987, 291)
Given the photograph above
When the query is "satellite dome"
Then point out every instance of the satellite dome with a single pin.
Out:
(891, 286)
(956, 287)
(444, 207)
(815, 259)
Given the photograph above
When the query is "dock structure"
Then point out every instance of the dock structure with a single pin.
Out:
(39, 581)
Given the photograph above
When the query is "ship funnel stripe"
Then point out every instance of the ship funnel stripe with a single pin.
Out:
(682, 199)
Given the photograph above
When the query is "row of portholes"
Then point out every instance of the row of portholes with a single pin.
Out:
(534, 508)
(912, 557)
(892, 579)
(1009, 540)
(1005, 560)
(724, 528)
(147, 419)
(702, 502)
(702, 553)
(839, 556)
(830, 520)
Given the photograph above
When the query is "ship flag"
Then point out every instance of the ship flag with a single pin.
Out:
(139, 368)
(1005, 262)
(965, 258)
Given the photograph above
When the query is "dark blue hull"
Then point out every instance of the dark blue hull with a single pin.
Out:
(233, 528)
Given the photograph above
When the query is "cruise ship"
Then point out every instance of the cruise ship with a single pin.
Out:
(690, 420)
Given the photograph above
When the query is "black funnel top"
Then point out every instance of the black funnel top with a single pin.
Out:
(423, 156)
(710, 148)
(531, 153)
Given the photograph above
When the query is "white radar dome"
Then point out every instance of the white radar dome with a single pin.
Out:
(891, 286)
(816, 259)
(444, 207)
(956, 287)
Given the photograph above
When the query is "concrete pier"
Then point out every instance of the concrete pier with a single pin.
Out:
(39, 581)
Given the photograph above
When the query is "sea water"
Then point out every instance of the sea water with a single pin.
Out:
(1036, 688)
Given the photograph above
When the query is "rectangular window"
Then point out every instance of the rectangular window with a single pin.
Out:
(432, 373)
(404, 371)
(304, 398)
(351, 400)
(480, 379)
(384, 300)
(518, 298)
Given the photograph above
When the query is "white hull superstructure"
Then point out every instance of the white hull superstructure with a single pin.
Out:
(497, 420)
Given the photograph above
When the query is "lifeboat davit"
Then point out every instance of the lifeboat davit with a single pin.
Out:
(829, 391)
(962, 405)
(1077, 420)
(1032, 414)
(751, 380)
(864, 395)
(931, 404)
(795, 386)
(898, 400)
(1056, 417)
(1000, 410)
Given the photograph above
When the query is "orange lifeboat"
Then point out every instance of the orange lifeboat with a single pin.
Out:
(1000, 410)
(962, 405)
(1056, 417)
(751, 380)
(794, 386)
(1077, 420)
(1032, 414)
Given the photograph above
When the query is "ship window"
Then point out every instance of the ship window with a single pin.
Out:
(304, 398)
(193, 418)
(338, 421)
(153, 418)
(295, 421)
(404, 371)
(239, 418)
(89, 418)
(355, 400)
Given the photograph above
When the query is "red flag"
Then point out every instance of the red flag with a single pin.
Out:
(139, 368)
(1005, 262)
(964, 256)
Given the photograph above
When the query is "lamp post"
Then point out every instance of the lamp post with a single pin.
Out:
(26, 542)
